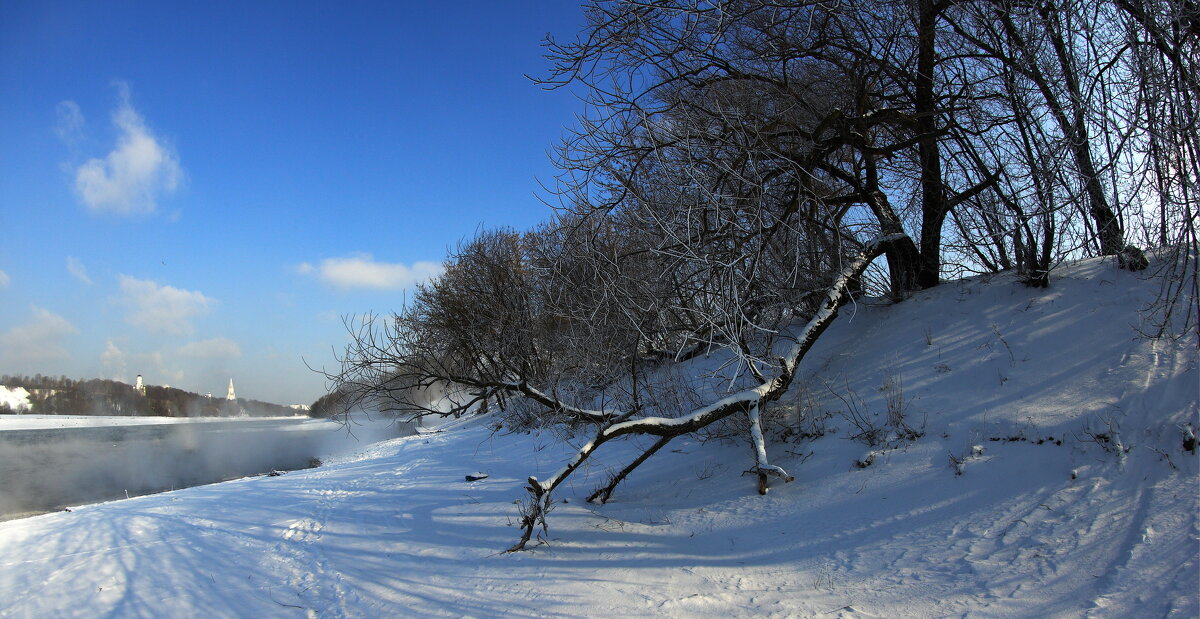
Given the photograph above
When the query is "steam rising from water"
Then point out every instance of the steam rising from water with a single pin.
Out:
(49, 469)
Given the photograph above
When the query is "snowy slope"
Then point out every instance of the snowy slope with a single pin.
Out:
(14, 398)
(1048, 520)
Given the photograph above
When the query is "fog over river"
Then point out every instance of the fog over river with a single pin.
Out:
(52, 462)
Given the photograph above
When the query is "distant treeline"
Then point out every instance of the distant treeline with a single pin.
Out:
(328, 405)
(49, 395)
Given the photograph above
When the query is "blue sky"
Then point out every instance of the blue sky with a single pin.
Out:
(198, 191)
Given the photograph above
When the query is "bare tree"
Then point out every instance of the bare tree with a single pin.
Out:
(1164, 65)
(741, 165)
(748, 401)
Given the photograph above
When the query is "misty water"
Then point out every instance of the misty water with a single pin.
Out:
(46, 469)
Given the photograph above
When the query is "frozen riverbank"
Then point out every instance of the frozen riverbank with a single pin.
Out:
(50, 462)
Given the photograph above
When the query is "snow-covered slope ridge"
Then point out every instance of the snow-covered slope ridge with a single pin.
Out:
(1076, 496)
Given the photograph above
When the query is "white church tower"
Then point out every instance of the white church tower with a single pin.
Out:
(141, 388)
(230, 395)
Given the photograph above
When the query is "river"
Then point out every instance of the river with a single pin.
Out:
(52, 462)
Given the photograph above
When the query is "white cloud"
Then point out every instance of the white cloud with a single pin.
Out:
(76, 268)
(69, 126)
(162, 309)
(4, 280)
(40, 339)
(216, 348)
(130, 178)
(113, 361)
(151, 365)
(361, 271)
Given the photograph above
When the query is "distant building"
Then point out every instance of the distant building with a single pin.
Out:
(231, 395)
(141, 388)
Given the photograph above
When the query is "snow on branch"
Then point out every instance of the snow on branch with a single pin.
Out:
(772, 389)
(581, 414)
(749, 400)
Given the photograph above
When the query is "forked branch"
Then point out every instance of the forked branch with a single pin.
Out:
(747, 401)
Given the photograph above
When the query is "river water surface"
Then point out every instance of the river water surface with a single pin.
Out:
(52, 462)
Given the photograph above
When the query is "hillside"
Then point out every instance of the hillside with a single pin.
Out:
(1076, 496)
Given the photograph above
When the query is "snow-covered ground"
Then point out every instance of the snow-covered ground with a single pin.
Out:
(14, 398)
(1076, 497)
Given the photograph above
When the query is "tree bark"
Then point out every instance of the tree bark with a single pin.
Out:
(934, 205)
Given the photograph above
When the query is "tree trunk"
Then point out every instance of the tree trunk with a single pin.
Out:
(934, 205)
(1108, 227)
(903, 258)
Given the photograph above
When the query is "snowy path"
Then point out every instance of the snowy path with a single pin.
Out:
(400, 532)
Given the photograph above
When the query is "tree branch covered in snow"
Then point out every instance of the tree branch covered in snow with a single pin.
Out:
(746, 401)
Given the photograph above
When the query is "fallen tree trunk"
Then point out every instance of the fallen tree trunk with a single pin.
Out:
(747, 401)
